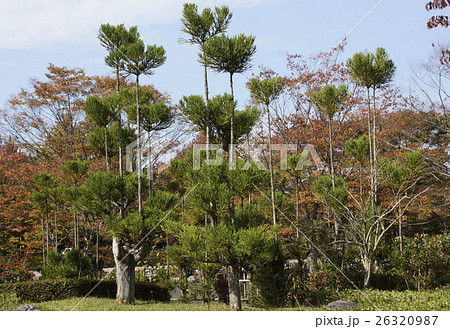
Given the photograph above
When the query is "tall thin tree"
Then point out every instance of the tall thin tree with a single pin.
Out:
(265, 92)
(329, 100)
(202, 27)
(112, 38)
(372, 71)
(140, 59)
(232, 55)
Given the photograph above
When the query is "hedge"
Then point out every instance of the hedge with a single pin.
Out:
(44, 290)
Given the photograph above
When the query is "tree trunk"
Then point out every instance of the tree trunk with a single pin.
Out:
(47, 233)
(139, 155)
(367, 265)
(331, 152)
(43, 242)
(374, 150)
(97, 249)
(231, 155)
(400, 228)
(150, 166)
(125, 273)
(369, 121)
(234, 291)
(122, 208)
(108, 167)
(272, 187)
(297, 201)
(207, 114)
(56, 228)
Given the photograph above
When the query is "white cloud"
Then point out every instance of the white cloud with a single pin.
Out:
(28, 24)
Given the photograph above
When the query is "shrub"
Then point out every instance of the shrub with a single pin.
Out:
(73, 264)
(14, 268)
(44, 290)
(313, 289)
(269, 288)
(424, 263)
(163, 279)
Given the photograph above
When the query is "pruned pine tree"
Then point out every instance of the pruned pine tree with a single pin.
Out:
(112, 38)
(155, 116)
(231, 55)
(372, 71)
(102, 112)
(193, 110)
(265, 92)
(329, 101)
(201, 27)
(140, 59)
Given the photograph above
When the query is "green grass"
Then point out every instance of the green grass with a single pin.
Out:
(8, 302)
(427, 300)
(430, 300)
(106, 304)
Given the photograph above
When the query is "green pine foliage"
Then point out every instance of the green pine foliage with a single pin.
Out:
(73, 264)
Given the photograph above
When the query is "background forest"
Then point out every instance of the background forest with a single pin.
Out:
(329, 178)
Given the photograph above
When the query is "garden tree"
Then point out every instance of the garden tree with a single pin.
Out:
(49, 119)
(232, 55)
(42, 201)
(103, 111)
(202, 27)
(179, 169)
(220, 109)
(74, 173)
(265, 92)
(190, 253)
(246, 180)
(17, 224)
(212, 195)
(96, 139)
(424, 130)
(237, 248)
(155, 116)
(329, 100)
(365, 226)
(372, 71)
(358, 148)
(139, 59)
(101, 195)
(303, 124)
(112, 38)
(132, 240)
(297, 165)
(427, 121)
(185, 256)
(401, 177)
(334, 194)
(228, 245)
(73, 264)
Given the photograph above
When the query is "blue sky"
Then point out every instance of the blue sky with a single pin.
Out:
(35, 33)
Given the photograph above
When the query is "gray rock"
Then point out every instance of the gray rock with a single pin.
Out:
(27, 307)
(343, 305)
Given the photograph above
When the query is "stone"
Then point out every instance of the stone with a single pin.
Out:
(343, 305)
(27, 307)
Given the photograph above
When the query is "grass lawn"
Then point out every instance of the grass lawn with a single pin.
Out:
(429, 300)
